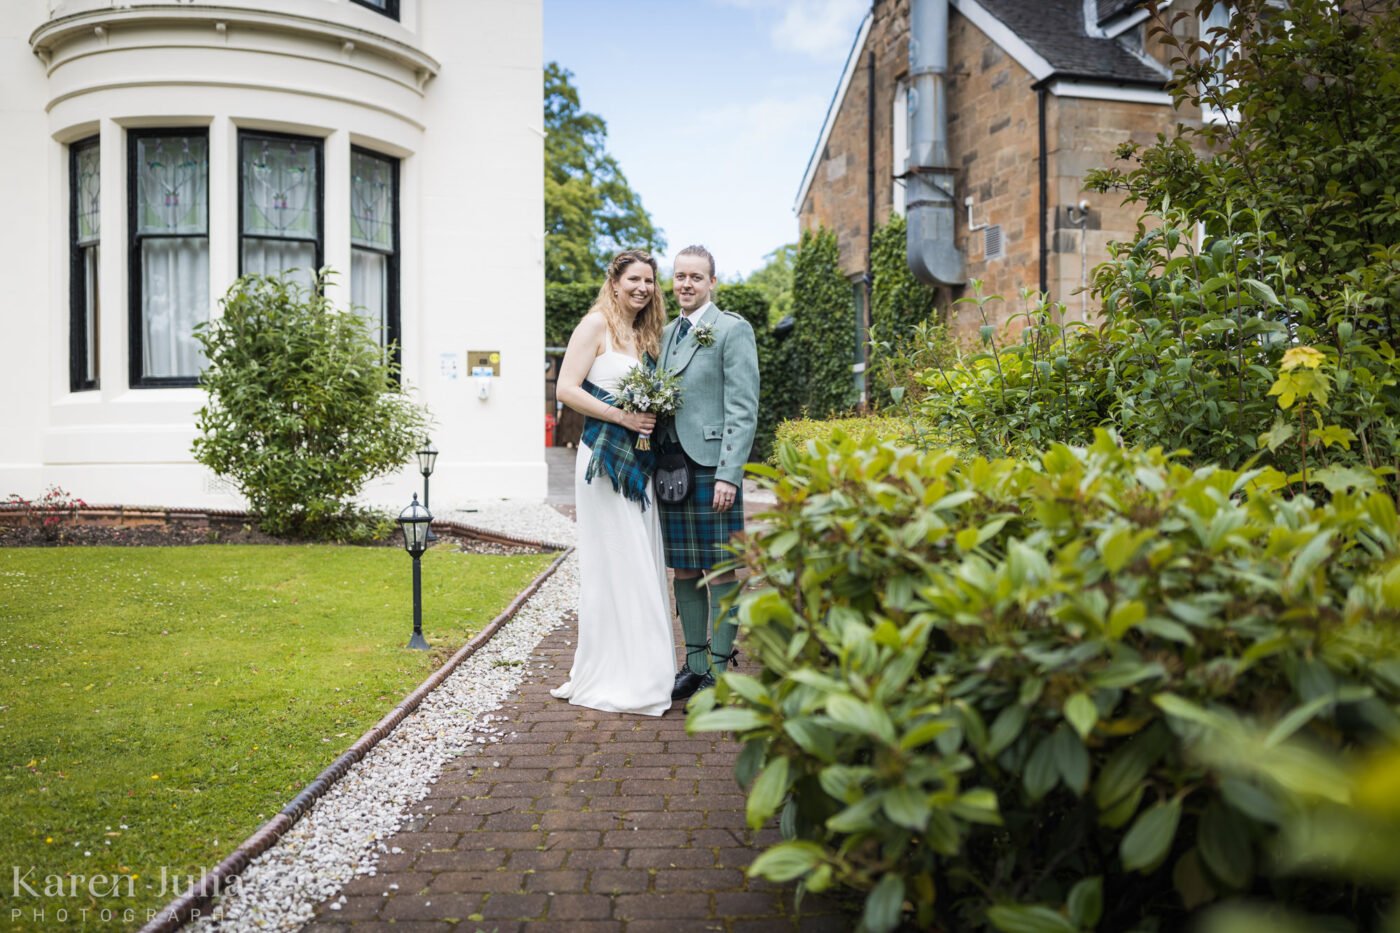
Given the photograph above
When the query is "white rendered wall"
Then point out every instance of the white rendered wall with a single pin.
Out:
(25, 306)
(482, 270)
(471, 216)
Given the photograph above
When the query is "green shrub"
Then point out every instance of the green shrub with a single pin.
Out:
(303, 409)
(984, 684)
(860, 427)
(883, 427)
(1014, 398)
(825, 336)
(752, 305)
(1192, 345)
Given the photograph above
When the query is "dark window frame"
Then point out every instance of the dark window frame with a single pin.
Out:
(319, 147)
(393, 335)
(390, 8)
(78, 349)
(137, 378)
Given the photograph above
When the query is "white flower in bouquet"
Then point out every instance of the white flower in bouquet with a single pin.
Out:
(648, 391)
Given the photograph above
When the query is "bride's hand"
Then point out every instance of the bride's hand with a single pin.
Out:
(640, 422)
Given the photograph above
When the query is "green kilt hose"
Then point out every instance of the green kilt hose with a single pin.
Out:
(695, 534)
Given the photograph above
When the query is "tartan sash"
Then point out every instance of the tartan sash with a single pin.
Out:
(615, 453)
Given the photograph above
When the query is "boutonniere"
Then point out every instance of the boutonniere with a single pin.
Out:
(705, 335)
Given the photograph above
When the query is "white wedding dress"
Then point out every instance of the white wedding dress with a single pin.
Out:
(625, 659)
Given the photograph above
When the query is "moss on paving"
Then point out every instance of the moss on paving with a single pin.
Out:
(159, 704)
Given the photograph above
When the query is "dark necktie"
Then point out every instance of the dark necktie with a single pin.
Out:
(683, 328)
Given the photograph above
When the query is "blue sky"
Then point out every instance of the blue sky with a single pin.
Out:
(712, 106)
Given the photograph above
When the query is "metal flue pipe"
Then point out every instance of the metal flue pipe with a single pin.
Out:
(930, 205)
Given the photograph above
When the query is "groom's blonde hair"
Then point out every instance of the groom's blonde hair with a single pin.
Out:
(645, 326)
(698, 250)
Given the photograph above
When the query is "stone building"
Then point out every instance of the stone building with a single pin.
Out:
(157, 149)
(1038, 92)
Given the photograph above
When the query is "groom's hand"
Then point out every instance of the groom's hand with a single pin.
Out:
(724, 495)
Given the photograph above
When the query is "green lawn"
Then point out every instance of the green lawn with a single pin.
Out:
(158, 704)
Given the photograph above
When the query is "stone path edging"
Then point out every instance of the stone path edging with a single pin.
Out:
(178, 912)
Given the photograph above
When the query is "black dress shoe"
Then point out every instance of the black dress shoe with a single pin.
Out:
(706, 681)
(687, 682)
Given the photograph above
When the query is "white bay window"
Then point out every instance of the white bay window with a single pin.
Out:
(169, 192)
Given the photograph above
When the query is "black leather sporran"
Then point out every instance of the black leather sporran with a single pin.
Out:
(674, 478)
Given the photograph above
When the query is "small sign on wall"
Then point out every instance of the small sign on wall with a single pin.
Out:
(450, 366)
(479, 360)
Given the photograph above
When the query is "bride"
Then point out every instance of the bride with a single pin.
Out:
(625, 658)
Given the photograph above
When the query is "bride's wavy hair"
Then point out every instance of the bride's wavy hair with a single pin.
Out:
(645, 327)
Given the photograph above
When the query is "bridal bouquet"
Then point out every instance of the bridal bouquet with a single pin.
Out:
(649, 391)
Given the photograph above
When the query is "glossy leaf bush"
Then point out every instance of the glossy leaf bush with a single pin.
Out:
(982, 684)
(305, 407)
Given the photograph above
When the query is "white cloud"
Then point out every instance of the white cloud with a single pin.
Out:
(747, 159)
(819, 28)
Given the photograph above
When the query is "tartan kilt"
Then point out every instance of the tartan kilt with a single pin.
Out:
(695, 534)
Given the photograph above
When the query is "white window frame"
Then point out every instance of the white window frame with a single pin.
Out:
(899, 145)
(1209, 112)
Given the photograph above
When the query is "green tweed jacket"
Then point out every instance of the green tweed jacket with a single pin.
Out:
(719, 392)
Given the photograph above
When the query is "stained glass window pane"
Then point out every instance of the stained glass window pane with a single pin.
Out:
(87, 195)
(279, 188)
(371, 201)
(172, 185)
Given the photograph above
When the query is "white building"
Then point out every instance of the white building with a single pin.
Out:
(155, 149)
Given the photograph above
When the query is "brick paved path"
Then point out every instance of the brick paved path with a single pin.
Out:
(591, 821)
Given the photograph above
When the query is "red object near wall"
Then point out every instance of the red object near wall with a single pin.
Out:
(549, 430)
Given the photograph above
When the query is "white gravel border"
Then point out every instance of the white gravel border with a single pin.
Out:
(522, 519)
(344, 834)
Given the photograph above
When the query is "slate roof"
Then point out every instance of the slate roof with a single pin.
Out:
(1107, 9)
(1055, 29)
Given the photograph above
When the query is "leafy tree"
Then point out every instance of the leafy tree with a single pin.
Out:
(1305, 139)
(303, 409)
(774, 280)
(590, 210)
(1296, 190)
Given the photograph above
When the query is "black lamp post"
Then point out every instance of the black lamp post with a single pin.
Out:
(415, 522)
(427, 459)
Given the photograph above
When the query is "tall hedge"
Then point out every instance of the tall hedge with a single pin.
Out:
(825, 335)
(898, 304)
(564, 307)
(898, 300)
(774, 392)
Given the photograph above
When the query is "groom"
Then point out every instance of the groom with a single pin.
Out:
(713, 354)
